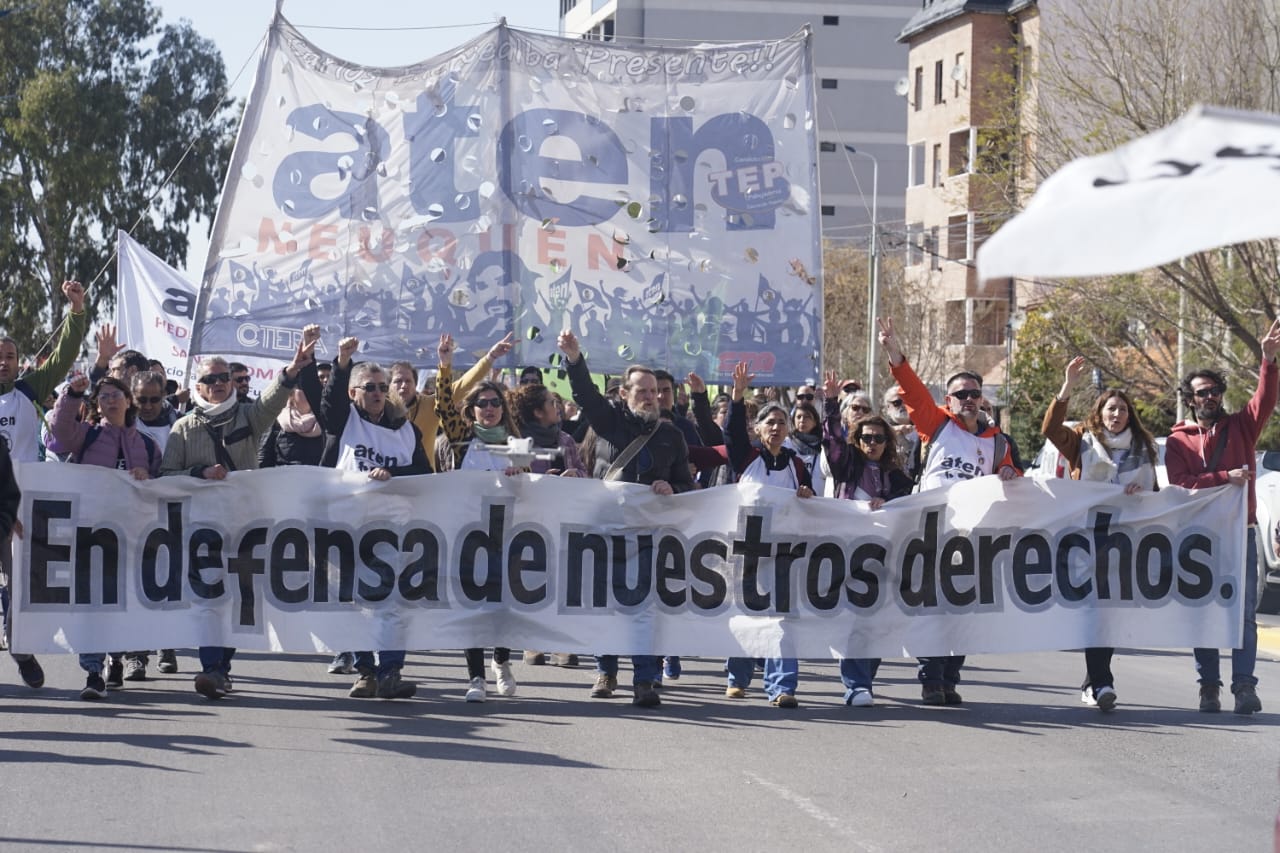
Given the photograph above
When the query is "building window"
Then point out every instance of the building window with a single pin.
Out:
(958, 237)
(956, 322)
(931, 249)
(826, 147)
(915, 236)
(958, 73)
(919, 88)
(828, 210)
(989, 321)
(830, 20)
(937, 83)
(959, 149)
(937, 165)
(829, 83)
(915, 165)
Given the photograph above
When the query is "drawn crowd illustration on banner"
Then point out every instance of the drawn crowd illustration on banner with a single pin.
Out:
(661, 202)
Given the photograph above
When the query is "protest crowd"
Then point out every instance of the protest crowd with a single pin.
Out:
(823, 441)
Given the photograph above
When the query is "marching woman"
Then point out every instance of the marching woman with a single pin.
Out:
(486, 420)
(769, 463)
(114, 442)
(1110, 446)
(806, 440)
(365, 431)
(863, 454)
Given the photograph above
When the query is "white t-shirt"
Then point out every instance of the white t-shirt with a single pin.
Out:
(365, 445)
(20, 425)
(956, 454)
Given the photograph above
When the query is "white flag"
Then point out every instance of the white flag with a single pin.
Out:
(1209, 179)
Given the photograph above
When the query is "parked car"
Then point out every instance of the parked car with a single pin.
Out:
(1267, 487)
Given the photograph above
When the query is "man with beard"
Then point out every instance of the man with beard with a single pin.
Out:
(1213, 448)
(652, 452)
(905, 435)
(963, 445)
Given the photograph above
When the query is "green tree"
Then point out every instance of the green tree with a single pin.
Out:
(98, 105)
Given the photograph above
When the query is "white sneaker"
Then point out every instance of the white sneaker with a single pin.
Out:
(504, 679)
(1105, 698)
(1086, 696)
(475, 693)
(862, 698)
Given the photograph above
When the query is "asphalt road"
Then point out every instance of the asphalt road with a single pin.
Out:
(288, 762)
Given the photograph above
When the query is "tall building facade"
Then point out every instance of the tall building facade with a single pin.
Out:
(970, 119)
(858, 64)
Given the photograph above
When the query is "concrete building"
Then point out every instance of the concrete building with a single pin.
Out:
(968, 122)
(858, 63)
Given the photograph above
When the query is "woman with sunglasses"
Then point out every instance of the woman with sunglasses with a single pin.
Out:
(1110, 446)
(486, 419)
(113, 442)
(366, 431)
(863, 453)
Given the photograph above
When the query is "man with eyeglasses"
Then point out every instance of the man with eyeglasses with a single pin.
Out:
(1213, 448)
(240, 378)
(219, 436)
(963, 445)
(906, 437)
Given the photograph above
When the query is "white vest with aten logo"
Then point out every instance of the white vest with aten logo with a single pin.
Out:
(365, 445)
(956, 454)
(20, 425)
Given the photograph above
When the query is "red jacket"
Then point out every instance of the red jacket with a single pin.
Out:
(1190, 447)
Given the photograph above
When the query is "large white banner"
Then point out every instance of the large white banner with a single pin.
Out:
(661, 202)
(154, 308)
(1207, 180)
(309, 559)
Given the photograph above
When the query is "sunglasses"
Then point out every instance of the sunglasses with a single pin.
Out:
(863, 409)
(873, 438)
(242, 380)
(966, 394)
(895, 402)
(850, 388)
(489, 403)
(1214, 391)
(370, 387)
(215, 378)
(806, 397)
(147, 401)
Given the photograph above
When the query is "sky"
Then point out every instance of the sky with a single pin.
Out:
(370, 32)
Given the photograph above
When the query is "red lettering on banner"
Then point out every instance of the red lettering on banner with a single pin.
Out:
(172, 328)
(757, 362)
(383, 253)
(598, 250)
(443, 237)
(322, 239)
(267, 233)
(548, 242)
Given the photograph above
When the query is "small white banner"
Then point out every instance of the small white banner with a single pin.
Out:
(310, 559)
(1207, 180)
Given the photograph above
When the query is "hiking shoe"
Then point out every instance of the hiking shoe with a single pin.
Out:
(534, 658)
(210, 685)
(1105, 698)
(134, 670)
(115, 674)
(561, 659)
(366, 687)
(951, 696)
(645, 696)
(861, 698)
(168, 662)
(391, 687)
(343, 663)
(94, 688)
(31, 671)
(933, 694)
(733, 691)
(503, 679)
(1210, 703)
(475, 691)
(1247, 701)
(784, 700)
(604, 686)
(671, 668)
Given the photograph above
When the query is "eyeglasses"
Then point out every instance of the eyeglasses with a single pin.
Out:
(242, 380)
(966, 394)
(808, 398)
(895, 403)
(110, 397)
(370, 387)
(1212, 391)
(850, 387)
(873, 438)
(147, 401)
(489, 403)
(530, 380)
(215, 378)
(860, 408)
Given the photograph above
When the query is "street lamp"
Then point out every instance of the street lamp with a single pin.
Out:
(873, 285)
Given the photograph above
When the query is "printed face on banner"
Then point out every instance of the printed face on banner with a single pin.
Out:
(659, 202)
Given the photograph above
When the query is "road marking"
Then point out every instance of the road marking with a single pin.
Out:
(1269, 640)
(810, 808)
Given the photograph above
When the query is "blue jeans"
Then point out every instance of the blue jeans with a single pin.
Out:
(857, 674)
(1244, 658)
(216, 659)
(643, 667)
(940, 671)
(781, 675)
(388, 662)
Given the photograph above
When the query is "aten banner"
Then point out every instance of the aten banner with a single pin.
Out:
(308, 559)
(661, 202)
